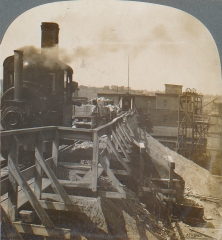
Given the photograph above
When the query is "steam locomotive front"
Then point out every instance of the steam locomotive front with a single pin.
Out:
(36, 86)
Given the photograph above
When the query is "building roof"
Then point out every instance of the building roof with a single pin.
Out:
(169, 94)
(173, 85)
(124, 94)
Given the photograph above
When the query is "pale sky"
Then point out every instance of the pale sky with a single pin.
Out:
(164, 45)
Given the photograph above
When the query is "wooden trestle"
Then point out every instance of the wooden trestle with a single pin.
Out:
(28, 185)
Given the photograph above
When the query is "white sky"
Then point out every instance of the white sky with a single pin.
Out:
(165, 45)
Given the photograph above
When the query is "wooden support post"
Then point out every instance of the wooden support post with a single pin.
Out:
(55, 151)
(13, 186)
(120, 145)
(30, 195)
(95, 161)
(119, 158)
(38, 169)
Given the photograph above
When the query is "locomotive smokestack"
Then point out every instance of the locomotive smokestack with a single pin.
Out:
(50, 38)
(18, 75)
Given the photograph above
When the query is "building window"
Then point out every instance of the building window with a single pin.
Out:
(165, 103)
(165, 118)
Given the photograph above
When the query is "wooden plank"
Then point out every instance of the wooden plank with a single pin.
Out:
(126, 160)
(38, 169)
(115, 181)
(75, 134)
(120, 145)
(163, 179)
(55, 151)
(95, 161)
(13, 186)
(76, 166)
(168, 191)
(55, 183)
(56, 197)
(61, 206)
(30, 195)
(119, 158)
(112, 194)
(27, 130)
(55, 233)
(120, 172)
(75, 184)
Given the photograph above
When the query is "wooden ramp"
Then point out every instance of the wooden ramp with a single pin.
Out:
(42, 189)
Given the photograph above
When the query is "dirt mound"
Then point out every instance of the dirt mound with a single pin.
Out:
(197, 179)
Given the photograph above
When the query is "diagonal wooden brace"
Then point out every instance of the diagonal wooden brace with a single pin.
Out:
(55, 183)
(30, 195)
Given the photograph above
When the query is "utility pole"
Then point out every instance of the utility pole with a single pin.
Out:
(128, 74)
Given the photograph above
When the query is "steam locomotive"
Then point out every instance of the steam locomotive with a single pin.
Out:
(36, 87)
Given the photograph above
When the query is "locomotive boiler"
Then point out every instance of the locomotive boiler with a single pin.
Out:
(36, 86)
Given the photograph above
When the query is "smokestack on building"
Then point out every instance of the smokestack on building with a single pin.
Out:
(18, 75)
(50, 38)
